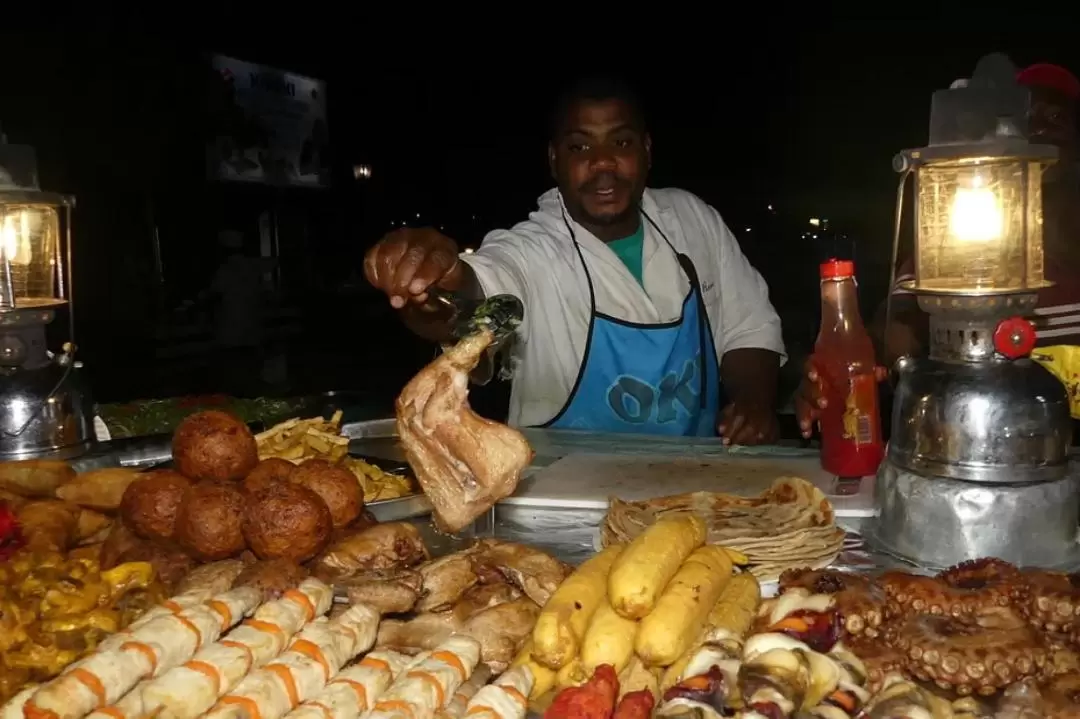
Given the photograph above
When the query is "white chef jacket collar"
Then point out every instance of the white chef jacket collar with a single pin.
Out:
(552, 205)
(664, 299)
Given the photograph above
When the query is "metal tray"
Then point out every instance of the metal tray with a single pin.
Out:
(392, 510)
(374, 438)
(155, 451)
(377, 439)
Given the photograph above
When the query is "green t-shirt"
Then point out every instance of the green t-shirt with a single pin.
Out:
(629, 250)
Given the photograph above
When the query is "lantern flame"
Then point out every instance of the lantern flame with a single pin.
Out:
(976, 214)
(15, 238)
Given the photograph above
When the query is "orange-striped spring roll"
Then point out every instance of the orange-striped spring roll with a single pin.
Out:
(311, 661)
(505, 698)
(355, 689)
(105, 676)
(455, 708)
(427, 686)
(190, 689)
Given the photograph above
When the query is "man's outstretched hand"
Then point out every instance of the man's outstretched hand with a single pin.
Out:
(810, 399)
(743, 422)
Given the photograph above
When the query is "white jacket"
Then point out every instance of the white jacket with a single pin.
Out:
(536, 261)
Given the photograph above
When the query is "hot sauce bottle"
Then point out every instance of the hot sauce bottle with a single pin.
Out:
(851, 444)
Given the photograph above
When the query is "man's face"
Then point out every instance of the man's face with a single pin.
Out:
(600, 159)
(1053, 119)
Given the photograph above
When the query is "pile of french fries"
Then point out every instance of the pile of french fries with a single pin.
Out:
(296, 440)
(300, 439)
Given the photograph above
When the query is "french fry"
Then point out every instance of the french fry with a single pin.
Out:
(297, 440)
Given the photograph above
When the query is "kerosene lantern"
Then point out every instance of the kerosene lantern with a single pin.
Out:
(977, 462)
(43, 409)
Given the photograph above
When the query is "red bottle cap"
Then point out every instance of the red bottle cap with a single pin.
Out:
(1014, 337)
(837, 269)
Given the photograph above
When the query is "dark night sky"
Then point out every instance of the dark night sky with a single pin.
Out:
(812, 119)
(804, 117)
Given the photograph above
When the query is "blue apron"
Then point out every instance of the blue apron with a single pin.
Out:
(659, 379)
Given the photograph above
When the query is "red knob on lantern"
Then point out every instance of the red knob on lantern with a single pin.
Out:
(1014, 337)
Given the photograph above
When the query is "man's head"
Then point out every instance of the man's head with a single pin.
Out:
(231, 240)
(1054, 95)
(599, 153)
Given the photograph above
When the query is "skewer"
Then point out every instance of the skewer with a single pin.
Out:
(455, 708)
(313, 658)
(187, 691)
(14, 707)
(150, 650)
(424, 688)
(355, 689)
(505, 698)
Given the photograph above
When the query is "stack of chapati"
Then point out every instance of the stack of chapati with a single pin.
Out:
(790, 525)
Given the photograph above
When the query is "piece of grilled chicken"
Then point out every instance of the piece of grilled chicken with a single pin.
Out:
(497, 616)
(464, 463)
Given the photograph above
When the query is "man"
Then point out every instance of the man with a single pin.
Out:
(238, 287)
(641, 313)
(1055, 93)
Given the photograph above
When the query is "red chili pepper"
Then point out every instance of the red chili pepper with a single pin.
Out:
(11, 537)
(595, 699)
(635, 705)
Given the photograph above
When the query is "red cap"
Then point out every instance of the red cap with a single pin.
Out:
(1050, 77)
(837, 269)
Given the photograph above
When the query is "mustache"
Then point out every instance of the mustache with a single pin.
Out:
(603, 180)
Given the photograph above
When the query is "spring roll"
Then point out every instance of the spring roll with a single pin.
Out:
(505, 698)
(151, 650)
(313, 658)
(455, 708)
(14, 707)
(355, 688)
(175, 605)
(191, 689)
(425, 687)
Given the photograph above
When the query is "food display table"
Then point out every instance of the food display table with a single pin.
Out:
(563, 498)
(561, 502)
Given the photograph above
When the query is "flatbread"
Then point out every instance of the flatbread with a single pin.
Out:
(792, 524)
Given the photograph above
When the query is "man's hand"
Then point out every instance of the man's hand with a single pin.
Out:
(744, 422)
(749, 376)
(810, 399)
(407, 262)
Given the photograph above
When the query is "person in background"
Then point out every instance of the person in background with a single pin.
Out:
(641, 312)
(238, 326)
(1055, 93)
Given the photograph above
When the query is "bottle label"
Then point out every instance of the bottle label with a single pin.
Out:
(859, 407)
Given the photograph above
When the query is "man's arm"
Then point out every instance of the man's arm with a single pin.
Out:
(751, 375)
(748, 339)
(751, 345)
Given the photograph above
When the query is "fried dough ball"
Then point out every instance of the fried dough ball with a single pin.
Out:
(149, 505)
(209, 522)
(272, 577)
(268, 470)
(284, 520)
(214, 445)
(336, 485)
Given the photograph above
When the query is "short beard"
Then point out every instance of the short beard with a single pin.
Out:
(609, 220)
